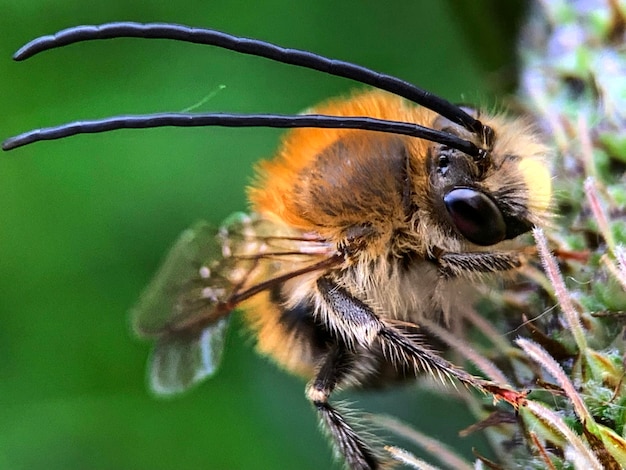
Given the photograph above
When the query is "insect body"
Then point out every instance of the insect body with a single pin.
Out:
(357, 232)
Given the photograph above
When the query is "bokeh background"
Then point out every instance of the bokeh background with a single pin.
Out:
(85, 221)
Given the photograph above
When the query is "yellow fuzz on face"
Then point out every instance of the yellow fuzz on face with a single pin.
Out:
(539, 183)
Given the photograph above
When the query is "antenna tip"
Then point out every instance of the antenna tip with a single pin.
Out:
(24, 52)
(9, 144)
(19, 141)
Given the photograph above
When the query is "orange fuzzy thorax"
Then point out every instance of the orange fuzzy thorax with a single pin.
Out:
(273, 193)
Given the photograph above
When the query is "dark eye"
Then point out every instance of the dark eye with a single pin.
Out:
(475, 216)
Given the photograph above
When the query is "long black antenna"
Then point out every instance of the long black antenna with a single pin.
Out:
(241, 120)
(262, 49)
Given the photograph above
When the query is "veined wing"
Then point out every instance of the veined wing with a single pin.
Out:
(184, 306)
(205, 275)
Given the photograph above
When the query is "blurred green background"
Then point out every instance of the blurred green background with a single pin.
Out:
(85, 221)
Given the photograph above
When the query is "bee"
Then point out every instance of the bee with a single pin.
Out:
(377, 212)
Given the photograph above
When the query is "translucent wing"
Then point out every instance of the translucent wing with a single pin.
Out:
(185, 306)
(175, 292)
(179, 361)
(206, 274)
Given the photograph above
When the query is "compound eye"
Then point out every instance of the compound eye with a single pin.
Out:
(475, 216)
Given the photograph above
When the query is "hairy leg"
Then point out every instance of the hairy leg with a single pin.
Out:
(337, 366)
